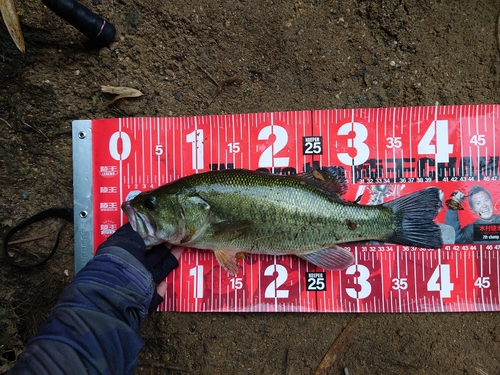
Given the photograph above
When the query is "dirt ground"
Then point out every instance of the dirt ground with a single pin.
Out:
(288, 55)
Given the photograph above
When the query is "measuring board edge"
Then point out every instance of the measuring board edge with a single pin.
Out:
(385, 278)
(82, 192)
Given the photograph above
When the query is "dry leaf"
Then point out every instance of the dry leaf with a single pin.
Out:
(9, 14)
(120, 92)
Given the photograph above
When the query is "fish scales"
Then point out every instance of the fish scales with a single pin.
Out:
(244, 211)
(291, 216)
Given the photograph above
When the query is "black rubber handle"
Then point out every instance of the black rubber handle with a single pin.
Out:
(84, 20)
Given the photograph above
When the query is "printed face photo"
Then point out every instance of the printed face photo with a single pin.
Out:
(482, 205)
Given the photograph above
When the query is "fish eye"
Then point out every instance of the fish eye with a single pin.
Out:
(150, 203)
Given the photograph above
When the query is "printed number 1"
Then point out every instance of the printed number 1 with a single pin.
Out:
(197, 273)
(196, 140)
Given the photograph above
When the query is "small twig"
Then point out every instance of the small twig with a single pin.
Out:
(36, 129)
(332, 353)
(227, 82)
(23, 240)
(498, 32)
(4, 120)
(208, 75)
(162, 365)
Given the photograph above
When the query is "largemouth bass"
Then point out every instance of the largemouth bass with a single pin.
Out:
(241, 211)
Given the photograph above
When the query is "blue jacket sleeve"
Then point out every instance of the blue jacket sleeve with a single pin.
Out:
(462, 235)
(94, 328)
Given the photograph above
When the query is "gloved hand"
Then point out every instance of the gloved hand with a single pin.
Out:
(159, 261)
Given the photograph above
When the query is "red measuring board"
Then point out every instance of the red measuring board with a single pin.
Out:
(386, 152)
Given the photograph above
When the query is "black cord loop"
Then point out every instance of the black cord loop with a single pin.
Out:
(62, 213)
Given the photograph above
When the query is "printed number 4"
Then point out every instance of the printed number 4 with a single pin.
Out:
(442, 149)
(440, 281)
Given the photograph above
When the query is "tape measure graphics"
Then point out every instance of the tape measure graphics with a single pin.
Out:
(386, 152)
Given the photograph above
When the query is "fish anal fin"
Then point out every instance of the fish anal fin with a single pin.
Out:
(227, 259)
(334, 258)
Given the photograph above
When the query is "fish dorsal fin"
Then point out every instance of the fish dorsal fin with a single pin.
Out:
(330, 179)
(335, 258)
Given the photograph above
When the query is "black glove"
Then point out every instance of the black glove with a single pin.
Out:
(158, 261)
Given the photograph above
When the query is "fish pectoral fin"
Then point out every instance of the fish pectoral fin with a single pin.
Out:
(231, 229)
(335, 258)
(227, 259)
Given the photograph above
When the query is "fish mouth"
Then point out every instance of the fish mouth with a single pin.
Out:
(139, 222)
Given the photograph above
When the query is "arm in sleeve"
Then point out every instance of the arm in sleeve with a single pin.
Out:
(462, 235)
(94, 328)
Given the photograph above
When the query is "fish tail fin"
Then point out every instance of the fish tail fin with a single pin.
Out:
(415, 215)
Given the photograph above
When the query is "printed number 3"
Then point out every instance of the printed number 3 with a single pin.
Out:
(361, 280)
(358, 143)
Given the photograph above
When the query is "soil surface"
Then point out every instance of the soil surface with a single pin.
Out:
(288, 55)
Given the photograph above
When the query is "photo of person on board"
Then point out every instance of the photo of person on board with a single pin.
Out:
(481, 203)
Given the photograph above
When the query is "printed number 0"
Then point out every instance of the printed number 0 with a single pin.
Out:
(272, 289)
(361, 280)
(358, 142)
(125, 143)
(267, 158)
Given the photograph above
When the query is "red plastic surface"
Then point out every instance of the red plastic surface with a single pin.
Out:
(387, 152)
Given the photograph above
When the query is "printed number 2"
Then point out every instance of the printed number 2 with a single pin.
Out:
(272, 289)
(361, 280)
(267, 158)
(440, 281)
